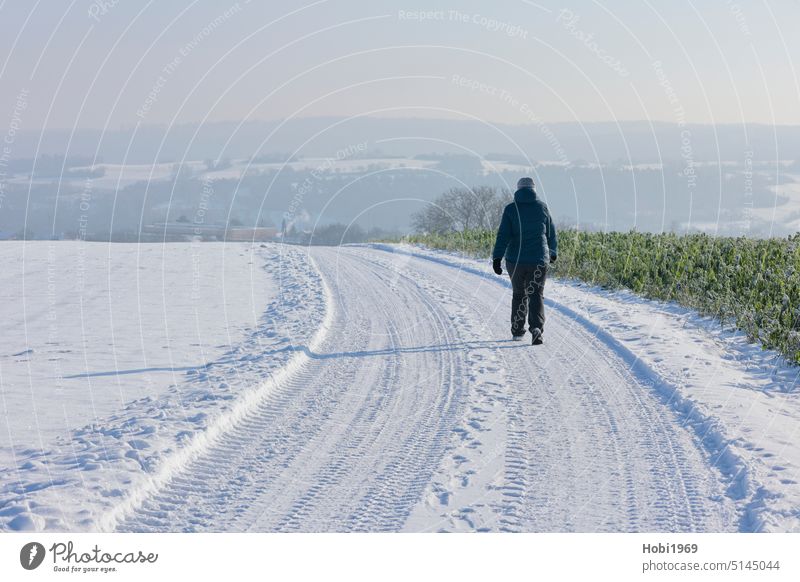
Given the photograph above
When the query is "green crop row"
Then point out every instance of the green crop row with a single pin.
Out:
(753, 284)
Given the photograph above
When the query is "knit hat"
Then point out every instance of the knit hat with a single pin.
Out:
(525, 183)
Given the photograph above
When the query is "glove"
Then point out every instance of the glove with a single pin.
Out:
(553, 258)
(496, 266)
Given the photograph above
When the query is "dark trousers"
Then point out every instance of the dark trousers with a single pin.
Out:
(527, 301)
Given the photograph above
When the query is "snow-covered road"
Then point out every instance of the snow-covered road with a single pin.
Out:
(416, 412)
(381, 392)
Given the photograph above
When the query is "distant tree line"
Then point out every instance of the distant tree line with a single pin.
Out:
(273, 158)
(55, 166)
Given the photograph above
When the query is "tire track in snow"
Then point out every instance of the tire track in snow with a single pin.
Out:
(368, 441)
(172, 466)
(406, 455)
(340, 458)
(650, 468)
(399, 486)
(534, 414)
(664, 451)
(567, 438)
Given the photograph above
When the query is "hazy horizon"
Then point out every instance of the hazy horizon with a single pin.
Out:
(96, 64)
(117, 115)
(277, 120)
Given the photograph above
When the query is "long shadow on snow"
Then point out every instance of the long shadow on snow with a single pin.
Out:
(475, 345)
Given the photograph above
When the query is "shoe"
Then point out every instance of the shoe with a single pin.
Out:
(537, 336)
(517, 338)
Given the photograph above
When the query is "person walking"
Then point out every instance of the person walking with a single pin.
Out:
(527, 238)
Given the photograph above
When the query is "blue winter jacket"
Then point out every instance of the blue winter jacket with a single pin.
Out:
(526, 234)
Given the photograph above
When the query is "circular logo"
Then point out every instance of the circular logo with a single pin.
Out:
(31, 555)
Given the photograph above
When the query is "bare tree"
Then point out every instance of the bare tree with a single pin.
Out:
(495, 209)
(433, 219)
(489, 204)
(460, 209)
(460, 205)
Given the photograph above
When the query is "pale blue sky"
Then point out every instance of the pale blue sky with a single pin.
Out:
(721, 62)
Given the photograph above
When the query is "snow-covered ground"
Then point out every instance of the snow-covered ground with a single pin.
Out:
(114, 355)
(371, 388)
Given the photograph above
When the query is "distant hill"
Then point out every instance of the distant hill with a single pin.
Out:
(639, 141)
